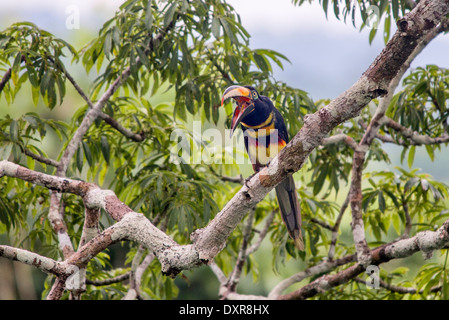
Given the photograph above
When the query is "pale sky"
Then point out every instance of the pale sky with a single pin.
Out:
(327, 56)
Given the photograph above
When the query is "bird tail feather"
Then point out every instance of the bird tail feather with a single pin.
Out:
(290, 210)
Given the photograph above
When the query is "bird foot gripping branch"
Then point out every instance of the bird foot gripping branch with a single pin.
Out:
(265, 135)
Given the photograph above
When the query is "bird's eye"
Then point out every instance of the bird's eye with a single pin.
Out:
(254, 94)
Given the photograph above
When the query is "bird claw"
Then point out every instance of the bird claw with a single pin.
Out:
(245, 183)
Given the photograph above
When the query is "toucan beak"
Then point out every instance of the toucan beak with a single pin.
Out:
(244, 103)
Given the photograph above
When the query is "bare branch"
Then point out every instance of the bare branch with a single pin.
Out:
(234, 278)
(398, 289)
(40, 158)
(134, 283)
(414, 137)
(5, 79)
(58, 224)
(238, 179)
(339, 138)
(336, 227)
(45, 264)
(323, 224)
(109, 281)
(90, 226)
(408, 220)
(323, 267)
(137, 137)
(57, 290)
(219, 273)
(262, 233)
(425, 241)
(355, 200)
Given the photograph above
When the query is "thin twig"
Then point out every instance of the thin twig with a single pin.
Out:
(323, 224)
(262, 233)
(336, 227)
(234, 278)
(106, 282)
(40, 158)
(339, 138)
(399, 289)
(5, 79)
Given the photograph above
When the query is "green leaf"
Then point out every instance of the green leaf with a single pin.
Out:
(372, 35)
(88, 154)
(143, 58)
(430, 152)
(411, 156)
(392, 197)
(107, 47)
(50, 95)
(319, 182)
(16, 153)
(261, 62)
(35, 94)
(445, 286)
(174, 60)
(420, 88)
(105, 148)
(116, 36)
(410, 183)
(441, 99)
(149, 16)
(387, 27)
(14, 131)
(79, 159)
(206, 211)
(168, 18)
(424, 184)
(32, 75)
(15, 69)
(325, 5)
(228, 30)
(367, 200)
(45, 81)
(381, 201)
(216, 27)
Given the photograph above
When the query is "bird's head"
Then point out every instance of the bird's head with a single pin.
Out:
(245, 96)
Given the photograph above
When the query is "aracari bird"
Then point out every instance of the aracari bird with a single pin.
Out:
(265, 134)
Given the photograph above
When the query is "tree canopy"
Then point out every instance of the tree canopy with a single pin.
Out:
(116, 173)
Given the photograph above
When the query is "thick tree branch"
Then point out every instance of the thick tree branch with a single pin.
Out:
(57, 221)
(90, 226)
(355, 199)
(370, 133)
(45, 264)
